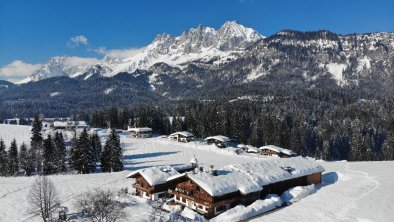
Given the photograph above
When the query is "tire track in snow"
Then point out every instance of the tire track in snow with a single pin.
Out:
(340, 215)
(14, 191)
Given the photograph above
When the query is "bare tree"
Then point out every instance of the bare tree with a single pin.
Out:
(43, 198)
(100, 206)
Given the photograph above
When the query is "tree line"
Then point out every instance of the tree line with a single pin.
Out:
(324, 128)
(50, 155)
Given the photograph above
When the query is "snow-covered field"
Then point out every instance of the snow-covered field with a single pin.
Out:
(357, 191)
(18, 132)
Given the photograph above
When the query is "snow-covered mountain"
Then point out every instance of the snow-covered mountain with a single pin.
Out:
(204, 62)
(62, 66)
(201, 43)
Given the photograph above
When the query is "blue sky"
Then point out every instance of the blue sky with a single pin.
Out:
(31, 31)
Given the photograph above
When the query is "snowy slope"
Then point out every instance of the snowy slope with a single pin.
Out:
(19, 133)
(359, 191)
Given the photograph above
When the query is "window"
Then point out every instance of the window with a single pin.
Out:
(221, 208)
(161, 195)
(183, 200)
(200, 207)
(177, 198)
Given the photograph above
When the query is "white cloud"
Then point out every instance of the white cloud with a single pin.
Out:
(76, 61)
(77, 41)
(118, 53)
(17, 70)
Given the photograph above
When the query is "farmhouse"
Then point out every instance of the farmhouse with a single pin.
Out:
(69, 125)
(219, 141)
(152, 182)
(61, 125)
(213, 192)
(142, 132)
(182, 136)
(271, 150)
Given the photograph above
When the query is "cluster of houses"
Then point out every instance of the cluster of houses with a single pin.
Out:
(64, 125)
(219, 140)
(213, 191)
(51, 123)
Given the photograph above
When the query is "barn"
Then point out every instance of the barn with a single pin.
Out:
(272, 150)
(219, 140)
(182, 136)
(140, 132)
(215, 191)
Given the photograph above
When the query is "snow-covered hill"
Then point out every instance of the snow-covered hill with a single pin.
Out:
(351, 191)
(18, 132)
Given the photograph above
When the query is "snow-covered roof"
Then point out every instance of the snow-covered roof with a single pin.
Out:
(60, 124)
(155, 175)
(81, 123)
(183, 133)
(278, 149)
(219, 137)
(140, 129)
(252, 176)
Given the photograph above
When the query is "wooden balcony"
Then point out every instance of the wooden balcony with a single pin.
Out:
(139, 187)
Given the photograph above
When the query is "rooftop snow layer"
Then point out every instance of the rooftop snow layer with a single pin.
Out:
(141, 129)
(155, 175)
(219, 137)
(278, 149)
(183, 133)
(251, 177)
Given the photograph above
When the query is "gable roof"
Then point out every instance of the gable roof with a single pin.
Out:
(251, 177)
(219, 137)
(278, 149)
(183, 133)
(155, 175)
(140, 129)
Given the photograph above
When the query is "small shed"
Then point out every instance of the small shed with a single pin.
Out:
(219, 141)
(182, 136)
(272, 150)
(141, 132)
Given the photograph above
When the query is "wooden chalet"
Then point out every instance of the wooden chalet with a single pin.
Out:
(151, 183)
(141, 132)
(213, 192)
(271, 150)
(182, 136)
(219, 141)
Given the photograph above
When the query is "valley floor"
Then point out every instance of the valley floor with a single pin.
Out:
(352, 191)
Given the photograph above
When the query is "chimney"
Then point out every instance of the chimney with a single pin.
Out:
(213, 171)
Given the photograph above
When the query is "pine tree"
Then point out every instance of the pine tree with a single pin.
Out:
(36, 145)
(31, 161)
(3, 159)
(111, 159)
(113, 117)
(23, 158)
(13, 163)
(61, 153)
(124, 118)
(83, 155)
(49, 156)
(96, 146)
